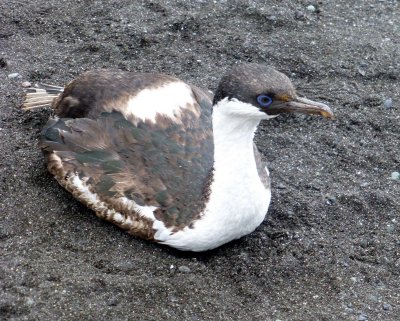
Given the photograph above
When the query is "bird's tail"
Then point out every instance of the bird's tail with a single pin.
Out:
(41, 96)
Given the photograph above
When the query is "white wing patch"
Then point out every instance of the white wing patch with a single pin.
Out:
(168, 100)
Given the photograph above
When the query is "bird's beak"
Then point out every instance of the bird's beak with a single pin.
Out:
(301, 105)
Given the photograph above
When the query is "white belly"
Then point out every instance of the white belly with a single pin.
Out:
(230, 214)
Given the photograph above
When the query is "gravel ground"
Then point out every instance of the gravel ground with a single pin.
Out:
(329, 248)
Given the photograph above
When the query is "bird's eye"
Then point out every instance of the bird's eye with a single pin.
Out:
(264, 100)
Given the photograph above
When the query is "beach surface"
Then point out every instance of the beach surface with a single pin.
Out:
(329, 248)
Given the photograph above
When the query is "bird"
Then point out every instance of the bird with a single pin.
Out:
(165, 160)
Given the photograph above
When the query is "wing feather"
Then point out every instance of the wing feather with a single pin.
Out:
(166, 167)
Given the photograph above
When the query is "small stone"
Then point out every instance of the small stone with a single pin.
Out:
(300, 15)
(385, 260)
(330, 200)
(30, 301)
(390, 228)
(362, 72)
(386, 306)
(311, 8)
(113, 301)
(3, 63)
(125, 266)
(4, 232)
(388, 103)
(173, 298)
(26, 84)
(184, 269)
(14, 75)
(395, 176)
(373, 298)
(290, 213)
(280, 186)
(362, 317)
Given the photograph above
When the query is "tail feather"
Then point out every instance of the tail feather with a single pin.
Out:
(41, 96)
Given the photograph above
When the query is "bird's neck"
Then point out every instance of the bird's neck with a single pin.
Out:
(233, 140)
(238, 200)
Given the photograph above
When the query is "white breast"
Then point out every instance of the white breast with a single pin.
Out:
(238, 201)
(237, 205)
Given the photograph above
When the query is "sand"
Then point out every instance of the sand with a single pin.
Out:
(329, 248)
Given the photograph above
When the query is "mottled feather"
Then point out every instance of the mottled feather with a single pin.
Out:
(164, 165)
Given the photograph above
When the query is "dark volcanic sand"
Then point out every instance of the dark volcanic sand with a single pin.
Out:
(329, 248)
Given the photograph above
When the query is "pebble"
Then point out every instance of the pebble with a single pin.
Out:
(113, 301)
(125, 266)
(30, 301)
(362, 317)
(330, 200)
(300, 15)
(184, 269)
(362, 72)
(373, 298)
(26, 84)
(386, 307)
(395, 176)
(3, 63)
(311, 8)
(388, 103)
(390, 228)
(173, 299)
(14, 75)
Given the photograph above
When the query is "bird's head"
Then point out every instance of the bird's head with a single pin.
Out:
(258, 91)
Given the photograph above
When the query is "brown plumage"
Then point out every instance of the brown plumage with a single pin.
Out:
(119, 157)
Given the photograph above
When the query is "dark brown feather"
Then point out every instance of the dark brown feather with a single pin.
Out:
(162, 164)
(261, 168)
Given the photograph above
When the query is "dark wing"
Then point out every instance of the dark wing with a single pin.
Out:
(167, 167)
(262, 168)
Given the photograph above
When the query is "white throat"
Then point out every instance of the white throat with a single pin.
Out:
(234, 125)
(238, 200)
(232, 132)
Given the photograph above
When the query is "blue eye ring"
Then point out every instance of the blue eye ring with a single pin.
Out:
(264, 100)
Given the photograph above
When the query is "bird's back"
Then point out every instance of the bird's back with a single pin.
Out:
(133, 145)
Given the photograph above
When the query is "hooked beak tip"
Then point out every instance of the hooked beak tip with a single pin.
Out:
(309, 106)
